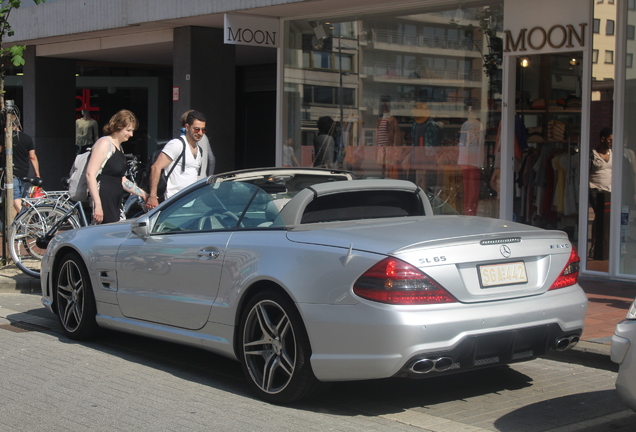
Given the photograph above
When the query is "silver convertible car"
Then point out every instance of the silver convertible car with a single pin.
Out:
(307, 276)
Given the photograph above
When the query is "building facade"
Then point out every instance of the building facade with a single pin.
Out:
(493, 106)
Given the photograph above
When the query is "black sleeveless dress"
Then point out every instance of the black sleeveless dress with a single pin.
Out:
(111, 192)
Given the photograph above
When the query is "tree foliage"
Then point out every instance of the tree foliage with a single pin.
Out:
(490, 23)
(15, 53)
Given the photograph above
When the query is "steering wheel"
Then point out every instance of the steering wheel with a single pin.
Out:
(222, 218)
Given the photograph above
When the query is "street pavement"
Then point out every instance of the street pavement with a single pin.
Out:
(125, 382)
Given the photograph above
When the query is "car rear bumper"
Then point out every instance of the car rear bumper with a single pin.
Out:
(371, 340)
(622, 352)
(491, 349)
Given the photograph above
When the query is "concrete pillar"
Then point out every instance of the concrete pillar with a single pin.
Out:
(204, 72)
(48, 114)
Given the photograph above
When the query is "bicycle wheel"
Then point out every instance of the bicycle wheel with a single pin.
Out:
(25, 230)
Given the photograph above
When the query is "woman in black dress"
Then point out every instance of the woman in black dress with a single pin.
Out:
(106, 169)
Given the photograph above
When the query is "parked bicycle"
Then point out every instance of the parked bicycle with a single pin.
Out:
(134, 205)
(43, 217)
(36, 224)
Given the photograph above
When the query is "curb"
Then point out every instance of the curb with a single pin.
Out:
(13, 280)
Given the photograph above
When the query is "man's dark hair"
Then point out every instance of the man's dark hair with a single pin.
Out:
(606, 132)
(324, 124)
(194, 115)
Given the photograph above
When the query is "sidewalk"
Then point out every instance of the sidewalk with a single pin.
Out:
(608, 304)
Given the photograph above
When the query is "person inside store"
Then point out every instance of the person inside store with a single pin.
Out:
(24, 159)
(86, 131)
(208, 161)
(188, 156)
(600, 191)
(106, 169)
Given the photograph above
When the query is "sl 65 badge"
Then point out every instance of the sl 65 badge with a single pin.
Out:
(432, 260)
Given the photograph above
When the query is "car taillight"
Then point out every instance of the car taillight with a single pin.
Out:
(394, 281)
(570, 274)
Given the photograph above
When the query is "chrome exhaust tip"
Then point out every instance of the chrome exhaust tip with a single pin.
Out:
(566, 343)
(424, 366)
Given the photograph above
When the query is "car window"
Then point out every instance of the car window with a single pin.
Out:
(216, 206)
(363, 205)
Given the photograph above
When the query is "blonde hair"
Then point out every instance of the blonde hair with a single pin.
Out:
(120, 121)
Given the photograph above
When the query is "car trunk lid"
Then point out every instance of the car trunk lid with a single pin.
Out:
(475, 259)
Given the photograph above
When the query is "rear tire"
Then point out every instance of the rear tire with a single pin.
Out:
(275, 351)
(74, 298)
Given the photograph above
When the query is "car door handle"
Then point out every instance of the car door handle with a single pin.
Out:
(214, 254)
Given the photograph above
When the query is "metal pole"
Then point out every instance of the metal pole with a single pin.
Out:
(8, 176)
(340, 99)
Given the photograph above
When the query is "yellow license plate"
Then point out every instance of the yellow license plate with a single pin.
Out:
(503, 274)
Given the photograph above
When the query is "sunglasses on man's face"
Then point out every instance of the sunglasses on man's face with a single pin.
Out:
(198, 129)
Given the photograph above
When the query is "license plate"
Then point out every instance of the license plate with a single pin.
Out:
(503, 274)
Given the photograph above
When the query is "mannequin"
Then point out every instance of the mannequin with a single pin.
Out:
(86, 131)
(388, 136)
(425, 133)
(471, 138)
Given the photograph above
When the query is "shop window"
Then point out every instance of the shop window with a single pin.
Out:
(609, 28)
(425, 106)
(595, 56)
(609, 57)
(630, 32)
(597, 25)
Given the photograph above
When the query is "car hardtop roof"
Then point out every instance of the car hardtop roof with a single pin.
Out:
(294, 209)
(320, 189)
(253, 173)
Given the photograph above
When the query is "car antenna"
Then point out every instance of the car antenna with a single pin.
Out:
(349, 255)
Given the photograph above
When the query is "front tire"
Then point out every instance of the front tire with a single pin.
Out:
(275, 351)
(76, 309)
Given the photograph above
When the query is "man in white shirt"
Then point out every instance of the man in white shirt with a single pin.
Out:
(187, 164)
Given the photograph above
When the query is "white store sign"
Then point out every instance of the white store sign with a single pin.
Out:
(544, 26)
(252, 30)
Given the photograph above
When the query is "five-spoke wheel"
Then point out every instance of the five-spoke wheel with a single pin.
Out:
(75, 300)
(275, 349)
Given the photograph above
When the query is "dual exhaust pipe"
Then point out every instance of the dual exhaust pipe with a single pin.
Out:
(442, 364)
(424, 366)
(566, 342)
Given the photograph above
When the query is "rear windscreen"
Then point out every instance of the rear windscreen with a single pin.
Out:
(363, 205)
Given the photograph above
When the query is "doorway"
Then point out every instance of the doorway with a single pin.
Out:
(256, 116)
(548, 134)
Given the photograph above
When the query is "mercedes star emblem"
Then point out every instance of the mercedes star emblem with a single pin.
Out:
(505, 251)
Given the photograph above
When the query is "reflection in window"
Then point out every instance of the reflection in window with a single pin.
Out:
(410, 96)
(627, 246)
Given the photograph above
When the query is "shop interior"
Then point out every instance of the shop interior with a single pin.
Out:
(547, 141)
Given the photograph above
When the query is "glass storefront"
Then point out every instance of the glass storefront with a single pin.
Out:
(627, 239)
(412, 96)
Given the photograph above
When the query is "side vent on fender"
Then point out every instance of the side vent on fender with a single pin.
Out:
(108, 281)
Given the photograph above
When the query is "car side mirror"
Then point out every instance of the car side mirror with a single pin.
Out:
(141, 227)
